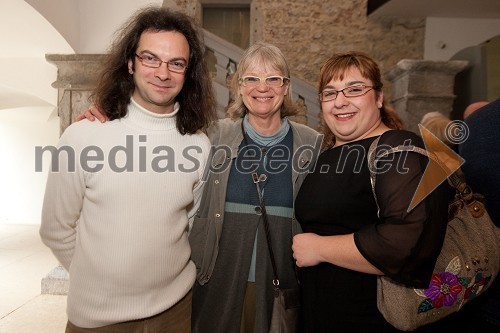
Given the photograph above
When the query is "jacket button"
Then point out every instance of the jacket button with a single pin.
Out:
(217, 215)
(216, 181)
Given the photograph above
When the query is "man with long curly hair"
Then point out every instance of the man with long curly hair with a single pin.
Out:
(117, 216)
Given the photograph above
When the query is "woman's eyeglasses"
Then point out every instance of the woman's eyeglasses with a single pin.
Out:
(271, 81)
(351, 91)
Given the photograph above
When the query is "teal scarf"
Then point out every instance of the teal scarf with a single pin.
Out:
(265, 140)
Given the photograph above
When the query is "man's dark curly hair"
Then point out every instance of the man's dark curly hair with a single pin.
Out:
(116, 85)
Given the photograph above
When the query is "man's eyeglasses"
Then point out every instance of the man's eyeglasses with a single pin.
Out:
(351, 91)
(271, 81)
(176, 66)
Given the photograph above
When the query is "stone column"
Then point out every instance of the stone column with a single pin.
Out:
(76, 77)
(422, 86)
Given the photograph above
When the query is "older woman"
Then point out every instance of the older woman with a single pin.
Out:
(234, 290)
(345, 244)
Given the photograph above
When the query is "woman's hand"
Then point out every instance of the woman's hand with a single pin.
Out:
(305, 249)
(340, 250)
(91, 114)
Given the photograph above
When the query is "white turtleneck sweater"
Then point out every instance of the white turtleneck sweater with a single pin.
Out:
(119, 221)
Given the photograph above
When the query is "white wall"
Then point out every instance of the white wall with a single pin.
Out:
(456, 34)
(100, 19)
(62, 15)
(25, 37)
(88, 25)
(30, 75)
(22, 189)
(26, 101)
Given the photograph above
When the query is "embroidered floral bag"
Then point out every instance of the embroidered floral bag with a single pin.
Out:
(468, 262)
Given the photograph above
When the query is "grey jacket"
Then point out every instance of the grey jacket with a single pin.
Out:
(226, 136)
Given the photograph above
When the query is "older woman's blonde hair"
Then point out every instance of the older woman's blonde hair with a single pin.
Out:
(268, 56)
(337, 66)
(437, 123)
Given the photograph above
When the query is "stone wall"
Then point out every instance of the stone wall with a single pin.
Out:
(309, 31)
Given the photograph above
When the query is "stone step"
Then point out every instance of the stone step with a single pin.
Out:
(56, 282)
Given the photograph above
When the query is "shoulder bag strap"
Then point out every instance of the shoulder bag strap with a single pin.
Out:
(256, 180)
(456, 179)
(265, 220)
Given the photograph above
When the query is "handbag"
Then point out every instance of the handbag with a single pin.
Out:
(466, 266)
(286, 304)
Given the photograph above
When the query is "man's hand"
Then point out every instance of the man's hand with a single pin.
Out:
(91, 114)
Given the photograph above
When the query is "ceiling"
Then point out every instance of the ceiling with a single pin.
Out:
(484, 9)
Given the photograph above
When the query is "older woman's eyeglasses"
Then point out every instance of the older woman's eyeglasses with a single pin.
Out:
(149, 60)
(351, 91)
(271, 81)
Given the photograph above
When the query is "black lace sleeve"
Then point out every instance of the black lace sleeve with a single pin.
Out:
(404, 244)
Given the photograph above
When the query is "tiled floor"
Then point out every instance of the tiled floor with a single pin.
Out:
(24, 261)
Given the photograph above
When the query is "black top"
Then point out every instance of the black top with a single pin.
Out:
(337, 199)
